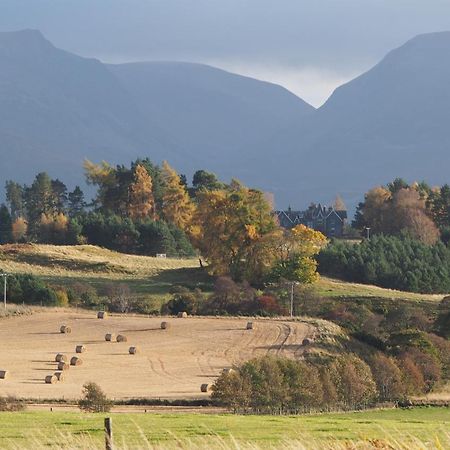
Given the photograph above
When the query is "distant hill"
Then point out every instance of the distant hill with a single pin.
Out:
(57, 108)
(391, 121)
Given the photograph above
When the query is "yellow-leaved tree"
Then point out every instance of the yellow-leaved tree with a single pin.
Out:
(141, 203)
(177, 207)
(236, 232)
(296, 251)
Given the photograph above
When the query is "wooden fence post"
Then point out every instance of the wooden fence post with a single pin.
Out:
(108, 434)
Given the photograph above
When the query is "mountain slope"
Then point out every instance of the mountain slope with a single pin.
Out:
(213, 114)
(57, 108)
(391, 121)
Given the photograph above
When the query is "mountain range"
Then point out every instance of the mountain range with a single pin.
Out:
(57, 108)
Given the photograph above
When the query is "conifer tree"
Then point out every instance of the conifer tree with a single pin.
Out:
(177, 206)
(141, 203)
(5, 225)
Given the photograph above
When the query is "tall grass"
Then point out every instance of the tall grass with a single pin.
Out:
(87, 442)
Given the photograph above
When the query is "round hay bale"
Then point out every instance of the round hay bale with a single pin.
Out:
(51, 379)
(80, 349)
(102, 315)
(4, 374)
(182, 314)
(204, 387)
(63, 366)
(60, 376)
(133, 350)
(110, 337)
(165, 325)
(227, 370)
(249, 325)
(60, 357)
(75, 361)
(306, 341)
(65, 329)
(121, 338)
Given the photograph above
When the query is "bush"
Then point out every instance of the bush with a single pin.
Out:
(94, 399)
(183, 300)
(11, 404)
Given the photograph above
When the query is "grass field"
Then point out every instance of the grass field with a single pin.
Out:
(146, 276)
(149, 277)
(409, 429)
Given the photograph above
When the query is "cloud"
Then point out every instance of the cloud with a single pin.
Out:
(312, 84)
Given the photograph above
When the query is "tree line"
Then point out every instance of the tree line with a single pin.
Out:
(418, 209)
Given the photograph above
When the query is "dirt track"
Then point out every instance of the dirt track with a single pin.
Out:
(171, 363)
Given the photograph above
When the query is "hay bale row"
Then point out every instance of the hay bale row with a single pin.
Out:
(121, 338)
(75, 361)
(51, 379)
(165, 325)
(60, 376)
(102, 315)
(65, 329)
(133, 350)
(80, 349)
(61, 357)
(4, 374)
(182, 314)
(63, 366)
(109, 337)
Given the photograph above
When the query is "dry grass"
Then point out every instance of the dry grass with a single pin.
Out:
(84, 261)
(329, 287)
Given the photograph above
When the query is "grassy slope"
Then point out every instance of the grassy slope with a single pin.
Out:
(64, 265)
(171, 430)
(329, 287)
(146, 275)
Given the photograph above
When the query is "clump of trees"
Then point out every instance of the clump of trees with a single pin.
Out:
(273, 385)
(423, 212)
(94, 399)
(396, 262)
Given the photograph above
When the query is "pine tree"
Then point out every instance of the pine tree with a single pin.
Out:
(39, 200)
(76, 202)
(141, 203)
(5, 225)
(177, 206)
(14, 198)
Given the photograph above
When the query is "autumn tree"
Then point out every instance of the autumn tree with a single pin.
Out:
(236, 232)
(388, 377)
(296, 251)
(103, 176)
(141, 204)
(354, 383)
(177, 207)
(19, 229)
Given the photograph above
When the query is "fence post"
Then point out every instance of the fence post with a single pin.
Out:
(108, 434)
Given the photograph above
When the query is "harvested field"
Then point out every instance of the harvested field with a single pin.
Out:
(168, 365)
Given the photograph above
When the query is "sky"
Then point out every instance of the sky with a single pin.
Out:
(309, 46)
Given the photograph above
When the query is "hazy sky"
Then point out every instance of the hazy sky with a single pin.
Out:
(309, 46)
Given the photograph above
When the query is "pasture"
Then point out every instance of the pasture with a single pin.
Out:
(419, 428)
